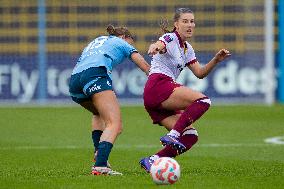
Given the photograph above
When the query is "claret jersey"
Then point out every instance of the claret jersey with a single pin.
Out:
(177, 56)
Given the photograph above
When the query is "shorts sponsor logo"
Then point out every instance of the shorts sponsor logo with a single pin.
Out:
(108, 83)
(95, 88)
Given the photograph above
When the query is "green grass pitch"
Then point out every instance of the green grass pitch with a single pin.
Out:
(43, 147)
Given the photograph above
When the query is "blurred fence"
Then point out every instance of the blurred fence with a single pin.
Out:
(41, 44)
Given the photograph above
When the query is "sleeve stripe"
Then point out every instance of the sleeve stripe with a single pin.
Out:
(191, 62)
(131, 52)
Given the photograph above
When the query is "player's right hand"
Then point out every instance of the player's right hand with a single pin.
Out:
(153, 49)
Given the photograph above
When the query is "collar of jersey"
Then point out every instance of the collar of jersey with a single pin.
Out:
(181, 44)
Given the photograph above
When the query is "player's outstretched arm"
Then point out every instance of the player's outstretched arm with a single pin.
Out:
(154, 48)
(202, 71)
(140, 62)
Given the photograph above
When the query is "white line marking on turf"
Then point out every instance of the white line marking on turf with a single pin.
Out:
(121, 146)
(275, 140)
(39, 147)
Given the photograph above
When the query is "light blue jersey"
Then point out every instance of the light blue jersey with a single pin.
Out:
(107, 51)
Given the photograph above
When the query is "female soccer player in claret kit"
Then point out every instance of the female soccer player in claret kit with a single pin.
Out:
(91, 87)
(175, 106)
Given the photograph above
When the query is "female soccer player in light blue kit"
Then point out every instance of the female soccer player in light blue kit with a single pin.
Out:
(91, 87)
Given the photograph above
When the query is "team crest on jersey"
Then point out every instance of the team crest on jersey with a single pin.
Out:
(168, 38)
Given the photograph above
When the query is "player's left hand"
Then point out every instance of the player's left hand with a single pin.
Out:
(222, 55)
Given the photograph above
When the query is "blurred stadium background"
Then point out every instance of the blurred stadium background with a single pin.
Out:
(41, 41)
(51, 147)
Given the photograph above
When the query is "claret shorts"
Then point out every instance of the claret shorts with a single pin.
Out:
(157, 89)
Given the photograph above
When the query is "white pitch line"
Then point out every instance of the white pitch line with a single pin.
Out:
(39, 147)
(120, 146)
(275, 140)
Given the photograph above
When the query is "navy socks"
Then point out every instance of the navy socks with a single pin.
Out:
(96, 135)
(104, 149)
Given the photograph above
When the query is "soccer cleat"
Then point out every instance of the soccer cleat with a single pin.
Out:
(173, 142)
(147, 162)
(104, 171)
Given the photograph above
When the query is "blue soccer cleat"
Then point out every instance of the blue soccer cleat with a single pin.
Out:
(172, 141)
(147, 162)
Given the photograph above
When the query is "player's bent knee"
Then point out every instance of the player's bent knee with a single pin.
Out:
(205, 100)
(198, 108)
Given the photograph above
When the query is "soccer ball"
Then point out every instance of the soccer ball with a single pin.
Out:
(165, 170)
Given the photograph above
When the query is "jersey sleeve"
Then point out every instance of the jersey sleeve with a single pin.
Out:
(168, 40)
(190, 55)
(128, 49)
